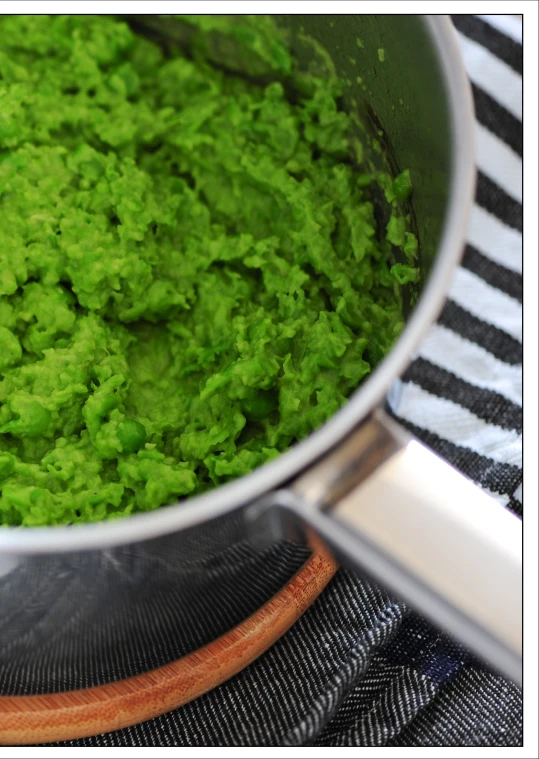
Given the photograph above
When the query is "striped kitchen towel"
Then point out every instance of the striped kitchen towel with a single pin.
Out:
(359, 669)
(463, 393)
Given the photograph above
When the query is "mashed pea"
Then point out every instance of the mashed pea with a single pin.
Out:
(191, 274)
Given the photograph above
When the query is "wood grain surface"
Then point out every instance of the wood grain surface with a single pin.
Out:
(91, 711)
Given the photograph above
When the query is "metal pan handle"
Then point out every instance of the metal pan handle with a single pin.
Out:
(388, 506)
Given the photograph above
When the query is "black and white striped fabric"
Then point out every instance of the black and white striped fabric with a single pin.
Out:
(463, 393)
(359, 669)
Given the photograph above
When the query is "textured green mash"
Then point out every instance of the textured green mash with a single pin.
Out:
(191, 275)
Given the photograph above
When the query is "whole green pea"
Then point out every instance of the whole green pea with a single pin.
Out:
(132, 435)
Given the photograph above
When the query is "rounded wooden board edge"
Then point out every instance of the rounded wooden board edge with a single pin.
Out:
(91, 711)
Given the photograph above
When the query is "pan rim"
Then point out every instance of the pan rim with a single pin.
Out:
(183, 515)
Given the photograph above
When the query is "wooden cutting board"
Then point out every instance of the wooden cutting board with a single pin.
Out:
(91, 711)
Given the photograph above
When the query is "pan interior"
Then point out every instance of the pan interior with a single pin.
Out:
(166, 480)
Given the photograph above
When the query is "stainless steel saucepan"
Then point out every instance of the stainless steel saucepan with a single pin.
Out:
(82, 606)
